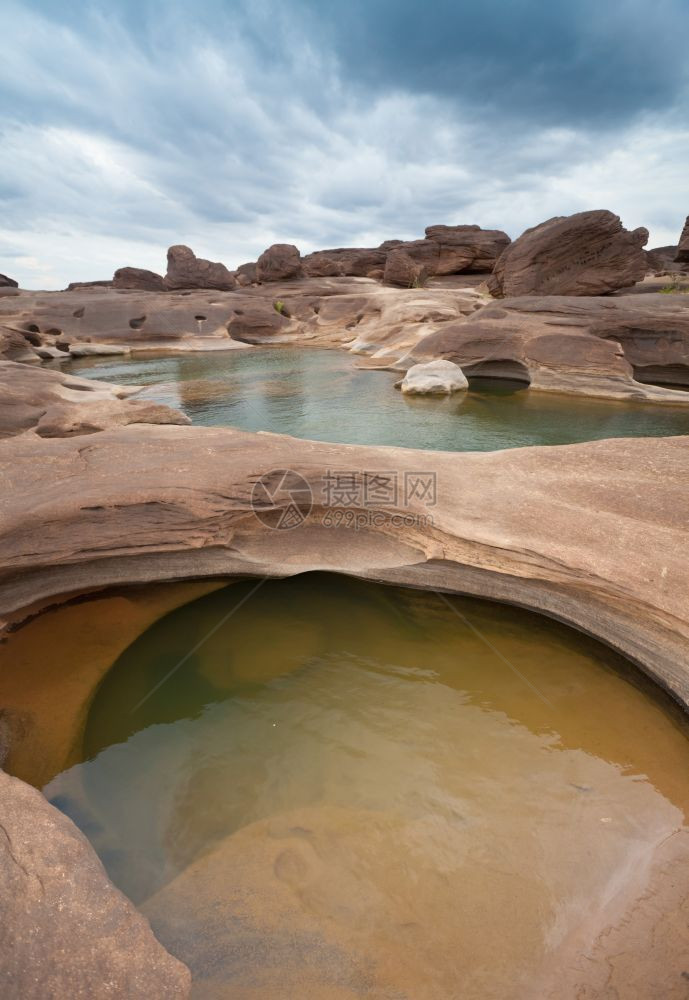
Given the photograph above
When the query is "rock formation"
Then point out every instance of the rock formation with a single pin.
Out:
(58, 405)
(65, 930)
(258, 323)
(433, 378)
(138, 278)
(186, 270)
(547, 528)
(589, 253)
(6, 282)
(682, 255)
(403, 270)
(279, 262)
(446, 250)
(596, 346)
(352, 262)
(465, 249)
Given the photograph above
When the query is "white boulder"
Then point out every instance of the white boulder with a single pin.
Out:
(434, 377)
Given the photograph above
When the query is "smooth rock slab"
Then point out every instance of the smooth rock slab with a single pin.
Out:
(65, 930)
(93, 350)
(434, 378)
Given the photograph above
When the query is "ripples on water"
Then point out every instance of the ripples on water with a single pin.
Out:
(319, 394)
(345, 792)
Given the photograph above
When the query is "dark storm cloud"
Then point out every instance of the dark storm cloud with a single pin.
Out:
(126, 126)
(581, 61)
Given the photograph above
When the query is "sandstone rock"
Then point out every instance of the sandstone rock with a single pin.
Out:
(47, 352)
(589, 253)
(548, 528)
(8, 282)
(661, 259)
(71, 419)
(65, 931)
(682, 255)
(246, 274)
(186, 270)
(138, 278)
(258, 323)
(345, 261)
(434, 378)
(402, 270)
(15, 347)
(77, 285)
(607, 346)
(78, 350)
(33, 396)
(467, 248)
(322, 265)
(279, 262)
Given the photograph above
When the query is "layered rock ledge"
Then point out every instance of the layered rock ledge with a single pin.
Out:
(592, 534)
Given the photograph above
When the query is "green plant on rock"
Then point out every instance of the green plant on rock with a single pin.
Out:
(675, 288)
(279, 306)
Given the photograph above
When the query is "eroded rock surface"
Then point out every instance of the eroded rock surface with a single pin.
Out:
(138, 278)
(279, 262)
(548, 528)
(65, 931)
(58, 405)
(593, 345)
(596, 345)
(186, 270)
(403, 270)
(682, 254)
(6, 282)
(434, 378)
(589, 253)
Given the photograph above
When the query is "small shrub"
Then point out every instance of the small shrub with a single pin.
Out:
(279, 307)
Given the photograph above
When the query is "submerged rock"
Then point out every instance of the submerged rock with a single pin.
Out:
(434, 378)
(589, 253)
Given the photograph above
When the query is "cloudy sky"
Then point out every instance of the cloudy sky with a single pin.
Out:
(228, 125)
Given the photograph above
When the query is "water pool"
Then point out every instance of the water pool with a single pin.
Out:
(320, 394)
(354, 791)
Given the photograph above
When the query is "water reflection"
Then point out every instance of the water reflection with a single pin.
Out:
(320, 394)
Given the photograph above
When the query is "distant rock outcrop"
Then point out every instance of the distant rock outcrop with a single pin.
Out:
(683, 247)
(590, 253)
(186, 270)
(138, 278)
(74, 286)
(246, 274)
(351, 262)
(403, 270)
(465, 249)
(279, 262)
(6, 282)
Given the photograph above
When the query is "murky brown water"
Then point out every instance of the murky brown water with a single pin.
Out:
(348, 791)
